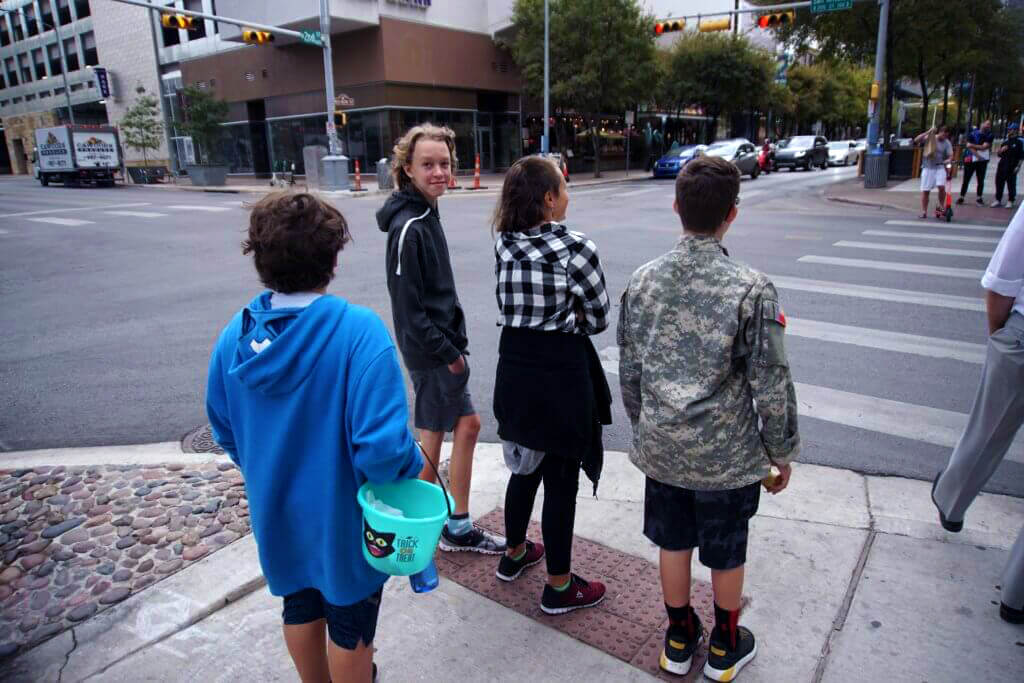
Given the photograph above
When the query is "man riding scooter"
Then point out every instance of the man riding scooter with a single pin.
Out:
(766, 158)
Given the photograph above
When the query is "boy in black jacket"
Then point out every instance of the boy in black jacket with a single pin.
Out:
(430, 327)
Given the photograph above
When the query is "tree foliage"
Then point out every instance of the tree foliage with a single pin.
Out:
(204, 115)
(140, 126)
(602, 56)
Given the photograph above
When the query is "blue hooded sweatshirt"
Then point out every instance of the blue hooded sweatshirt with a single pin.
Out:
(310, 403)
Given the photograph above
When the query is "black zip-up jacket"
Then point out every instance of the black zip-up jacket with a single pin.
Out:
(430, 326)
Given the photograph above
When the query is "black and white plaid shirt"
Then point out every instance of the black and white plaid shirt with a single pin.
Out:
(550, 279)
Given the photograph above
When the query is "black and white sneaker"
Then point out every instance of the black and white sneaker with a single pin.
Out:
(724, 663)
(509, 569)
(476, 540)
(677, 656)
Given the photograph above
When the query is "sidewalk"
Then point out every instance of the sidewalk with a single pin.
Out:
(905, 196)
(849, 578)
(490, 182)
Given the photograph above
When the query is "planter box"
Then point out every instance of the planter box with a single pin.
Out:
(208, 175)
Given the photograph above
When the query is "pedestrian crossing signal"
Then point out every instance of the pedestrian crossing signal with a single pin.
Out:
(668, 26)
(182, 21)
(250, 35)
(715, 25)
(776, 19)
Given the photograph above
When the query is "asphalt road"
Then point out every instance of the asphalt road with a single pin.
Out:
(110, 300)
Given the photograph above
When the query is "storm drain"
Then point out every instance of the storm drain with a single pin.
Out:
(200, 440)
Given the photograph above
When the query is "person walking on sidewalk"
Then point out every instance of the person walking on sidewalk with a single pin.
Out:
(701, 363)
(933, 168)
(430, 327)
(998, 410)
(1010, 154)
(550, 393)
(306, 396)
(979, 149)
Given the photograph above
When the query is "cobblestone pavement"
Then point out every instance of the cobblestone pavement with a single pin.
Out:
(75, 540)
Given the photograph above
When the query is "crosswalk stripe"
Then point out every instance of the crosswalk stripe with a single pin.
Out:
(947, 226)
(635, 192)
(73, 208)
(879, 246)
(964, 303)
(933, 236)
(197, 207)
(906, 420)
(966, 273)
(137, 214)
(885, 340)
(59, 221)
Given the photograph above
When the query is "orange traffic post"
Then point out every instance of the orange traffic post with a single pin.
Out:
(476, 175)
(451, 182)
(359, 180)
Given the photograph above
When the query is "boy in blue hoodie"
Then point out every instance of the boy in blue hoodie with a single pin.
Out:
(306, 396)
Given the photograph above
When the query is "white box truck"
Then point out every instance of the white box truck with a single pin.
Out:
(73, 154)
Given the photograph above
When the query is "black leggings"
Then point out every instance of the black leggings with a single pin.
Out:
(561, 482)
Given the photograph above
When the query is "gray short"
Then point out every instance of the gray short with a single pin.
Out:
(441, 398)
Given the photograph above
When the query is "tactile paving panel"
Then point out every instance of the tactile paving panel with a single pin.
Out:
(629, 623)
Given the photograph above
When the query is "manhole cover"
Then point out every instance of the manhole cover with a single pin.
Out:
(200, 440)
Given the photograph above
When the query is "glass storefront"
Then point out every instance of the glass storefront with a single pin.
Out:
(235, 147)
(289, 136)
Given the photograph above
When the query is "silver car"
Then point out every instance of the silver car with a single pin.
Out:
(842, 153)
(740, 151)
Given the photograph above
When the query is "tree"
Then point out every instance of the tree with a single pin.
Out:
(204, 115)
(721, 74)
(140, 127)
(602, 56)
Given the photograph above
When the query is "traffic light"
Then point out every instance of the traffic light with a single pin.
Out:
(178, 21)
(251, 35)
(669, 25)
(715, 25)
(776, 19)
(340, 118)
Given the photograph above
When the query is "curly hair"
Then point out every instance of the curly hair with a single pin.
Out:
(521, 205)
(401, 153)
(295, 238)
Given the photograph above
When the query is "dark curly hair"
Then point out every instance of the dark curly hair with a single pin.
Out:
(295, 238)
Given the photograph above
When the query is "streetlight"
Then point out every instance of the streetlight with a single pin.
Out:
(63, 59)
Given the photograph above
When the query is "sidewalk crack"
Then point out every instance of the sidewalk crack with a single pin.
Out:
(67, 657)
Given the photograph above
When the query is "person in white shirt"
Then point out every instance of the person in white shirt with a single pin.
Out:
(998, 410)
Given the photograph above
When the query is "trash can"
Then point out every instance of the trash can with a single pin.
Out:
(876, 170)
(384, 179)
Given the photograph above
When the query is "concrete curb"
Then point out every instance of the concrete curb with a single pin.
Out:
(142, 454)
(876, 205)
(144, 619)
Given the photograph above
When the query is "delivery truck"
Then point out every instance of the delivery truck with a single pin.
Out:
(72, 155)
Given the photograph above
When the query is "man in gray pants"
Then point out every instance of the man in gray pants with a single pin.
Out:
(998, 409)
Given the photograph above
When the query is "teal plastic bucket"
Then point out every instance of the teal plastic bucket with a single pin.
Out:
(401, 546)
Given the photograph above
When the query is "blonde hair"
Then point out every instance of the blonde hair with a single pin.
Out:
(403, 150)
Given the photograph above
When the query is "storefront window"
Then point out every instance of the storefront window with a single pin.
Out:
(507, 146)
(289, 136)
(462, 123)
(235, 148)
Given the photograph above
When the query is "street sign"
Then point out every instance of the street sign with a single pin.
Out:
(102, 80)
(820, 6)
(311, 37)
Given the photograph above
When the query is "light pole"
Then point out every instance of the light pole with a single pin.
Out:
(873, 124)
(545, 141)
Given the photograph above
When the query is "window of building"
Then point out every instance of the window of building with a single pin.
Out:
(16, 100)
(25, 68)
(4, 103)
(200, 24)
(15, 19)
(90, 84)
(53, 51)
(71, 52)
(30, 20)
(29, 97)
(45, 93)
(12, 71)
(58, 91)
(46, 14)
(39, 62)
(82, 9)
(64, 11)
(89, 49)
(5, 34)
(75, 87)
(3, 82)
(170, 36)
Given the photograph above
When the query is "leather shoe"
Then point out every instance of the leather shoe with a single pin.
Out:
(954, 527)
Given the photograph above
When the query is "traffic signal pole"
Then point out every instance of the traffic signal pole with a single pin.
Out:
(874, 106)
(545, 141)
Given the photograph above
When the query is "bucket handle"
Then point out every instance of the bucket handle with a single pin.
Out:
(440, 480)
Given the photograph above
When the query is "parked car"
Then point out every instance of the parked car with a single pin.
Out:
(802, 151)
(740, 151)
(668, 166)
(842, 153)
(862, 144)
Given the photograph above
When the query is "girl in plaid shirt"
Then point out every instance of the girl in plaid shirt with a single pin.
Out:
(550, 393)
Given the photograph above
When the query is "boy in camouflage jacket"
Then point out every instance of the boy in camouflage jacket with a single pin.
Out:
(701, 360)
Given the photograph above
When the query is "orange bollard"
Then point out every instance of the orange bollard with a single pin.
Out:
(476, 175)
(359, 180)
(451, 182)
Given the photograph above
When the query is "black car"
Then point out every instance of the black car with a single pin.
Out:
(802, 151)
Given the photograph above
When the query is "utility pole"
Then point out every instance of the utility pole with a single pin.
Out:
(874, 105)
(736, 19)
(545, 140)
(335, 175)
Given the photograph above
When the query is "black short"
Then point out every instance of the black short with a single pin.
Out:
(715, 521)
(346, 625)
(441, 398)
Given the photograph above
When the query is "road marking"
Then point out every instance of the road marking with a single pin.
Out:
(933, 236)
(197, 207)
(60, 221)
(885, 340)
(914, 250)
(967, 273)
(5, 232)
(77, 208)
(963, 303)
(906, 420)
(874, 414)
(137, 214)
(948, 226)
(635, 192)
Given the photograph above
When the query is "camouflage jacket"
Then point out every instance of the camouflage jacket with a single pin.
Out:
(701, 357)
